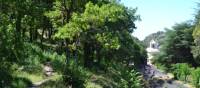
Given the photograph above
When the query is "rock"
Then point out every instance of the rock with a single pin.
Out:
(48, 69)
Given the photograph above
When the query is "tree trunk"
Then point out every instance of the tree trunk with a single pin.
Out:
(23, 32)
(49, 33)
(18, 26)
(31, 34)
(87, 55)
(35, 34)
(98, 56)
(41, 39)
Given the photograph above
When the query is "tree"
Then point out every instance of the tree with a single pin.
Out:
(98, 26)
(95, 33)
(176, 46)
(196, 36)
(196, 47)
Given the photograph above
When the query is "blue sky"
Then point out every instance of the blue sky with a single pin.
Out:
(159, 14)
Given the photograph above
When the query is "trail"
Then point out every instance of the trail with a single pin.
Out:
(155, 77)
(159, 79)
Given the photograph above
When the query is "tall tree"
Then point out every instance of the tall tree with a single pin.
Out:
(196, 36)
(176, 47)
(97, 26)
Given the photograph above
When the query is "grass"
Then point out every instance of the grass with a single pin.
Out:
(102, 80)
(161, 67)
(35, 77)
(92, 85)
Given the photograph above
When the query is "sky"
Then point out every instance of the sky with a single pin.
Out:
(159, 14)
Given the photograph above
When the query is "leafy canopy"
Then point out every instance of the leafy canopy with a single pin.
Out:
(97, 23)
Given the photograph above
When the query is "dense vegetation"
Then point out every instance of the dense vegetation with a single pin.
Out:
(179, 51)
(88, 43)
(176, 45)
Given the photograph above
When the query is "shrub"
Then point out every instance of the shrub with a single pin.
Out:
(196, 77)
(130, 79)
(161, 67)
(6, 76)
(57, 61)
(32, 61)
(76, 76)
(181, 71)
(54, 84)
(92, 85)
(20, 83)
(36, 57)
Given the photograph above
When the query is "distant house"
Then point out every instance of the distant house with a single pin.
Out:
(152, 49)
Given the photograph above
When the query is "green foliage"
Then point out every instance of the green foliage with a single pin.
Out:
(95, 24)
(123, 76)
(131, 51)
(20, 83)
(92, 85)
(31, 62)
(196, 77)
(54, 84)
(160, 66)
(181, 71)
(176, 46)
(196, 53)
(196, 36)
(76, 76)
(130, 80)
(181, 47)
(10, 51)
(35, 57)
(196, 32)
(6, 78)
(102, 29)
(88, 31)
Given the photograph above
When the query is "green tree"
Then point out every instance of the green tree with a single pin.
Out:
(96, 33)
(98, 27)
(196, 36)
(176, 46)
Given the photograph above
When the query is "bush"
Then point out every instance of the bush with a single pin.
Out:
(161, 67)
(196, 77)
(31, 63)
(76, 76)
(92, 85)
(130, 80)
(6, 76)
(181, 71)
(123, 76)
(36, 57)
(57, 61)
(20, 83)
(161, 61)
(54, 84)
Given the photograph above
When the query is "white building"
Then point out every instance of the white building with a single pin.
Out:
(152, 49)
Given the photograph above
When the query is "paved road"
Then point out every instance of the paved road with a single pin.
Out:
(158, 79)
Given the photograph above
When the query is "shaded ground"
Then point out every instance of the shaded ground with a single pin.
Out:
(158, 79)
